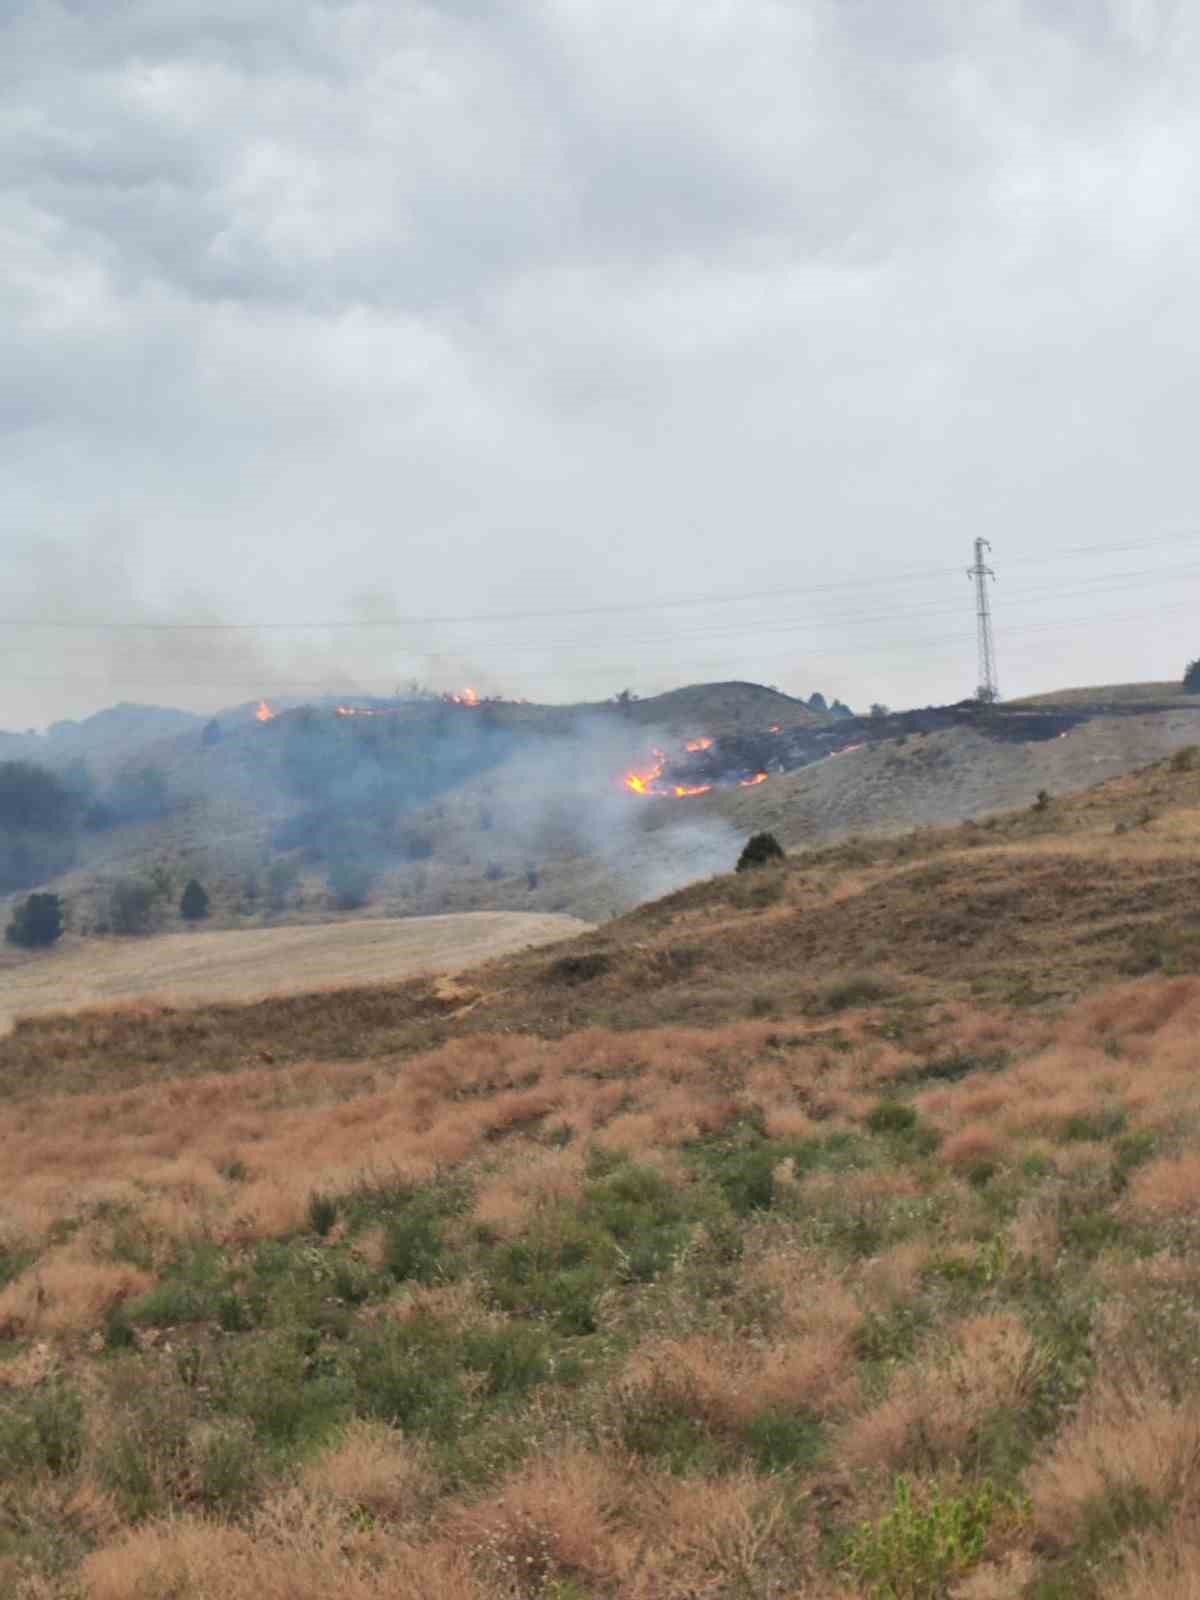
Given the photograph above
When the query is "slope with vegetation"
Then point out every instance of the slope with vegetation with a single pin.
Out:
(828, 1229)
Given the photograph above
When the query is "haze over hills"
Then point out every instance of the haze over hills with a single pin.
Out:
(446, 804)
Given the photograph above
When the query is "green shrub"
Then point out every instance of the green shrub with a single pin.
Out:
(226, 1465)
(893, 1120)
(860, 990)
(579, 969)
(644, 1214)
(413, 1246)
(322, 1212)
(557, 1269)
(407, 1375)
(511, 1359)
(891, 1117)
(915, 1551)
(779, 1441)
(41, 1431)
(1103, 1123)
(288, 1391)
(659, 1427)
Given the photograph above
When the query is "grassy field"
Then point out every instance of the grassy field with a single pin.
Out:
(249, 963)
(825, 1231)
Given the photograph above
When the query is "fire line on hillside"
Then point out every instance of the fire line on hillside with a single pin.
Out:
(650, 782)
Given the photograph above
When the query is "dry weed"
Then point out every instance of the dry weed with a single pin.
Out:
(374, 1468)
(936, 1405)
(1128, 1436)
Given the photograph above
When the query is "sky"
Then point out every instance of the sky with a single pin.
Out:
(558, 348)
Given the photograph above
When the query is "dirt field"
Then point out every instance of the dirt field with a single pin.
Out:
(240, 964)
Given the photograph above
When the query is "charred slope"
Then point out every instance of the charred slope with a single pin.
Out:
(737, 757)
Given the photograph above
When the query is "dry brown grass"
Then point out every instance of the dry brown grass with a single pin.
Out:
(934, 1407)
(1160, 1566)
(1128, 1436)
(374, 1469)
(295, 1548)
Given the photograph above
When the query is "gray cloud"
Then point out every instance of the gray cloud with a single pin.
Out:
(340, 310)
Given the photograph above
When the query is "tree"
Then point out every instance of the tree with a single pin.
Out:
(38, 816)
(1191, 677)
(762, 850)
(350, 883)
(193, 902)
(879, 711)
(37, 922)
(131, 906)
(212, 734)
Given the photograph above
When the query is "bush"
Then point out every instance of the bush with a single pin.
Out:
(1191, 677)
(37, 922)
(918, 1548)
(414, 1246)
(131, 907)
(762, 849)
(41, 1431)
(193, 903)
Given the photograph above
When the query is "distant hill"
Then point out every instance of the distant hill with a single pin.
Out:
(1113, 694)
(107, 737)
(722, 708)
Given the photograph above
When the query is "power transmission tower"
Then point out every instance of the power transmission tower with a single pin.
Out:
(988, 691)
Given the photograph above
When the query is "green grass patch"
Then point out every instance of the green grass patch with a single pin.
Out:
(923, 1544)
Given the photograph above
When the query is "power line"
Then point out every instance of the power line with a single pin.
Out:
(624, 607)
(945, 643)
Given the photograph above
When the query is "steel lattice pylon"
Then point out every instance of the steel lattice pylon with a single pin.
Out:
(988, 690)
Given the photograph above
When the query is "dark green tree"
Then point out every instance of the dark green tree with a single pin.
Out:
(193, 902)
(36, 922)
(761, 850)
(1191, 677)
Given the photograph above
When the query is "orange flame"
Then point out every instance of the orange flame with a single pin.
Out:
(642, 782)
(749, 783)
(699, 744)
(681, 793)
(264, 712)
(775, 728)
(466, 697)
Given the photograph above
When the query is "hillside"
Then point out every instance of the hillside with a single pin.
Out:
(827, 1230)
(532, 814)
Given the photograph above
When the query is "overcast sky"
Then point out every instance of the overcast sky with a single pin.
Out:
(349, 312)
